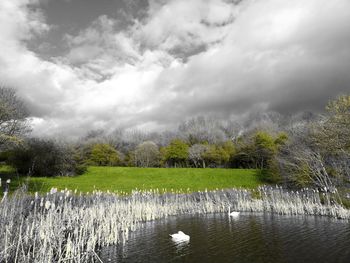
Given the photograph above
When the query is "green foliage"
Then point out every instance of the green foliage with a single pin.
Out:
(6, 169)
(336, 130)
(176, 153)
(264, 149)
(260, 150)
(4, 156)
(301, 176)
(332, 135)
(281, 139)
(264, 140)
(229, 148)
(103, 154)
(211, 155)
(340, 108)
(216, 155)
(129, 159)
(329, 141)
(346, 203)
(79, 161)
(271, 174)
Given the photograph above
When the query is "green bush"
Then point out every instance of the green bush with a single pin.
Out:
(176, 153)
(271, 174)
(103, 154)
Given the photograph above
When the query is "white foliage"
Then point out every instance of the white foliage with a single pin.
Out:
(64, 227)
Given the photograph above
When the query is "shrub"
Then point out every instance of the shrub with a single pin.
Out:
(103, 154)
(176, 153)
(271, 174)
(38, 157)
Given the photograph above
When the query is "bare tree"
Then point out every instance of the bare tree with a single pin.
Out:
(306, 163)
(196, 154)
(270, 121)
(202, 129)
(311, 164)
(332, 135)
(147, 154)
(13, 116)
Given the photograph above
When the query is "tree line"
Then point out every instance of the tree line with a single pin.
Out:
(299, 150)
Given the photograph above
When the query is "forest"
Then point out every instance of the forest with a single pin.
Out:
(300, 150)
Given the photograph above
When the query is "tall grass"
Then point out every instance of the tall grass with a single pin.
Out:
(69, 227)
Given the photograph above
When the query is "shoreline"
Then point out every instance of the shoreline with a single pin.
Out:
(60, 226)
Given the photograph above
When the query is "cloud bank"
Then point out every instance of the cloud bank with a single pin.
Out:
(179, 59)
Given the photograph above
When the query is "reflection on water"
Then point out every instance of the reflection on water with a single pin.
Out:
(249, 238)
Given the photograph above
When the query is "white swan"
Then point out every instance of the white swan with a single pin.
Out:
(180, 237)
(234, 213)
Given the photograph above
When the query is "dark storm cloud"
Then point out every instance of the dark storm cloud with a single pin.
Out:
(69, 17)
(153, 64)
(297, 63)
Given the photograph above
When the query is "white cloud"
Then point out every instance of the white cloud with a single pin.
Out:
(270, 56)
(185, 58)
(101, 46)
(185, 25)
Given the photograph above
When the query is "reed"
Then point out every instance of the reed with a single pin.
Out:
(66, 226)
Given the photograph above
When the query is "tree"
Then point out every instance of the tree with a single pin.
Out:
(230, 150)
(245, 153)
(333, 132)
(196, 154)
(265, 148)
(13, 116)
(202, 129)
(229, 147)
(319, 153)
(303, 164)
(203, 155)
(330, 139)
(147, 155)
(38, 157)
(176, 153)
(216, 156)
(260, 150)
(103, 154)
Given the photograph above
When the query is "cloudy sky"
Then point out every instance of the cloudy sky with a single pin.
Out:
(92, 64)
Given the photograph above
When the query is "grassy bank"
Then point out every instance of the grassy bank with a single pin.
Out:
(7, 172)
(128, 178)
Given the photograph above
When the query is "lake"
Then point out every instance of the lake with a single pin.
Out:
(252, 237)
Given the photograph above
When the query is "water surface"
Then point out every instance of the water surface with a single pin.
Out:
(249, 238)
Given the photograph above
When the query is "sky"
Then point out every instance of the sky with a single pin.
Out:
(83, 65)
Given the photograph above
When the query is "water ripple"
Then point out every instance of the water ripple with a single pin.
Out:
(251, 237)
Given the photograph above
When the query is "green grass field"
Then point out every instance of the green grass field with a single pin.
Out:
(127, 178)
